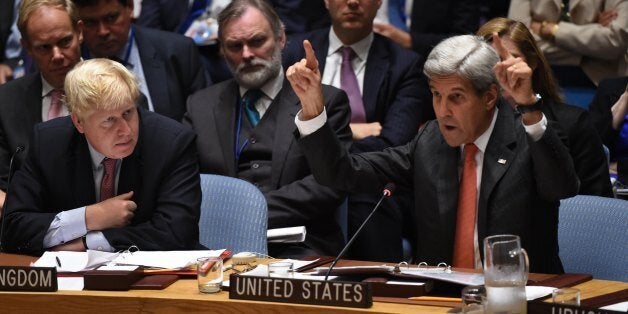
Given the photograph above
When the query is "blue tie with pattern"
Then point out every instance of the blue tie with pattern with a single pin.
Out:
(250, 98)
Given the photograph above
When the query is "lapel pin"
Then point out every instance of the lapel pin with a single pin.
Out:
(501, 161)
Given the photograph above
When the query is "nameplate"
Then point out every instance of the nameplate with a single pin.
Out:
(541, 307)
(20, 278)
(300, 291)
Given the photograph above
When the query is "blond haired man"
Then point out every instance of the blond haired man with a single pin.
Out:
(107, 177)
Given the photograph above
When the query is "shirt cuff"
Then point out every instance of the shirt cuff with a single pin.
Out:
(536, 131)
(66, 226)
(310, 126)
(96, 241)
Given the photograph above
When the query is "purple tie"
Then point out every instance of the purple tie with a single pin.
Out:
(55, 103)
(349, 84)
(108, 179)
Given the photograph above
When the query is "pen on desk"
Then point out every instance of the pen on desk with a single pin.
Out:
(58, 261)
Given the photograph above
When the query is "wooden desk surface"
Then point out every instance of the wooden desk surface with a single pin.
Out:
(183, 296)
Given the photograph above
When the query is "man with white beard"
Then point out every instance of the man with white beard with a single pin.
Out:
(245, 129)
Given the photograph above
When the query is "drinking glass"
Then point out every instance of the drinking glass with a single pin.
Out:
(506, 270)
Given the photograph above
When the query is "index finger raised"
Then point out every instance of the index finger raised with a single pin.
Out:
(501, 50)
(311, 63)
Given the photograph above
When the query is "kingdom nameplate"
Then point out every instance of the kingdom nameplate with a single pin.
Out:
(20, 278)
(300, 291)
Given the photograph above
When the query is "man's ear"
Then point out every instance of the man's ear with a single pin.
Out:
(77, 123)
(491, 96)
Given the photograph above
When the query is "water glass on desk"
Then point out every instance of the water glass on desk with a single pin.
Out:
(209, 274)
(280, 269)
(506, 270)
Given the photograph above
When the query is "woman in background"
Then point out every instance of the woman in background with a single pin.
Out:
(513, 40)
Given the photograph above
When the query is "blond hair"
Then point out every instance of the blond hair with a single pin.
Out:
(99, 84)
(27, 7)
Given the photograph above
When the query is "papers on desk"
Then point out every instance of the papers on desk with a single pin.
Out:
(457, 277)
(66, 261)
(286, 235)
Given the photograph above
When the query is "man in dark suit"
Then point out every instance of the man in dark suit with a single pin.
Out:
(512, 177)
(433, 21)
(167, 64)
(51, 34)
(394, 96)
(250, 137)
(64, 196)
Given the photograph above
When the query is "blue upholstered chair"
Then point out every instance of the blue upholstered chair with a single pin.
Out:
(233, 215)
(593, 236)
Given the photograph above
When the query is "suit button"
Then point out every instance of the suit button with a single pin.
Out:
(255, 166)
(253, 140)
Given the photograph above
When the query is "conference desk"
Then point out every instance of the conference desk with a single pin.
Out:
(183, 296)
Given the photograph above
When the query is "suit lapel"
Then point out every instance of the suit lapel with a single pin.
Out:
(287, 106)
(33, 101)
(447, 189)
(154, 72)
(499, 155)
(225, 120)
(79, 168)
(376, 67)
(322, 45)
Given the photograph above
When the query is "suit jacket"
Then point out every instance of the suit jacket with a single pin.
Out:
(522, 183)
(395, 92)
(172, 69)
(433, 21)
(601, 51)
(607, 94)
(20, 110)
(165, 15)
(57, 175)
(585, 147)
(6, 20)
(296, 198)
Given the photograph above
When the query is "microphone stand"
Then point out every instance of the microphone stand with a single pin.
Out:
(390, 187)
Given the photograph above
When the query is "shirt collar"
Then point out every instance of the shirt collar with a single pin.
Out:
(361, 47)
(482, 141)
(96, 156)
(46, 88)
(271, 88)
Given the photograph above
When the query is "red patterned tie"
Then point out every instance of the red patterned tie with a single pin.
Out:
(465, 219)
(55, 103)
(108, 179)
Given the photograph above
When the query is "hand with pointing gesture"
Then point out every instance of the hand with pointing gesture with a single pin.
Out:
(513, 74)
(305, 79)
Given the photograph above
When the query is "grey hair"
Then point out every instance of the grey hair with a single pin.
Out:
(237, 8)
(467, 56)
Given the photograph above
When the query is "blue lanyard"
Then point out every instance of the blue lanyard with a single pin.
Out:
(238, 152)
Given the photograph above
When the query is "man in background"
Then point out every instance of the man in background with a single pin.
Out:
(167, 65)
(51, 34)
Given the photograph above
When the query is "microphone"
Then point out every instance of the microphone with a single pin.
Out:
(18, 150)
(387, 192)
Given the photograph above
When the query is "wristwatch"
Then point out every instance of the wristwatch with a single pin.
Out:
(538, 105)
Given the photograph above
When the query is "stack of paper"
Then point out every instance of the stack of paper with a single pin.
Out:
(286, 235)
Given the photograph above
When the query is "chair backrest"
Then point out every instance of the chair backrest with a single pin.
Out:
(233, 215)
(593, 236)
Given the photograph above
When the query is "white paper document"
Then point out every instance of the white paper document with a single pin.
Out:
(286, 235)
(66, 261)
(462, 278)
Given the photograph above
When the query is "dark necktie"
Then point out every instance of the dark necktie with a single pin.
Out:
(107, 185)
(55, 103)
(465, 217)
(249, 99)
(349, 83)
